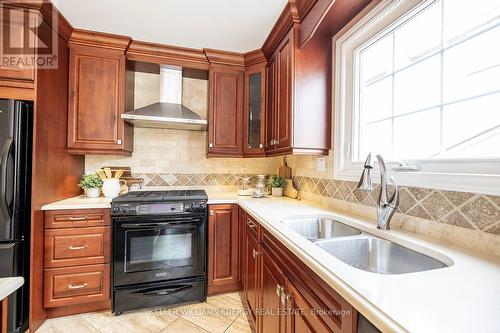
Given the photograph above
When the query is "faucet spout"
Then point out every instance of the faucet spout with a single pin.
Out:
(387, 205)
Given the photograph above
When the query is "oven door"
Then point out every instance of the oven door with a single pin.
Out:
(148, 249)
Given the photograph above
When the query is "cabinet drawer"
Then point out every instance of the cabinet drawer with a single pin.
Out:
(77, 218)
(76, 285)
(253, 227)
(79, 246)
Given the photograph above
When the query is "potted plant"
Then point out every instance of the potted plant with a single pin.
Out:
(276, 183)
(91, 184)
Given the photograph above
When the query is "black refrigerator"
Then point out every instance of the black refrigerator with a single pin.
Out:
(16, 118)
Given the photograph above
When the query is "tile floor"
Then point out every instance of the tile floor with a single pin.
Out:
(221, 313)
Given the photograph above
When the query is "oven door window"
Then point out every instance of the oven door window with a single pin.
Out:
(160, 249)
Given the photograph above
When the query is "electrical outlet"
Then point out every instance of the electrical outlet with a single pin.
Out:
(320, 164)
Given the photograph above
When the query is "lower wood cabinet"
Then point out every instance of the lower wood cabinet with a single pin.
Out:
(282, 294)
(223, 253)
(77, 254)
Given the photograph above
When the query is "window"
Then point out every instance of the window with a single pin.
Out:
(419, 81)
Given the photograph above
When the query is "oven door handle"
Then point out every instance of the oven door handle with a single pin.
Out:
(164, 291)
(151, 225)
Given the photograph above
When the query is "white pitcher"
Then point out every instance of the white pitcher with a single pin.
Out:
(112, 187)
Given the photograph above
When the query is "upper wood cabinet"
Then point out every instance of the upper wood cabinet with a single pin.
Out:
(298, 98)
(254, 110)
(225, 112)
(98, 96)
(223, 249)
(15, 40)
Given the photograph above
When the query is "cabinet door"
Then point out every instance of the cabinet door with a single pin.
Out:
(284, 111)
(241, 246)
(254, 121)
(17, 44)
(225, 113)
(300, 314)
(96, 99)
(223, 262)
(272, 297)
(252, 261)
(272, 103)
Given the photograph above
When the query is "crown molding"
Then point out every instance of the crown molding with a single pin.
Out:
(99, 39)
(167, 54)
(288, 17)
(227, 58)
(254, 57)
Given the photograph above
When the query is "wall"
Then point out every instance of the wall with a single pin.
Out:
(466, 219)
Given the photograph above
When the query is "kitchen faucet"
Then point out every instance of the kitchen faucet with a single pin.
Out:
(386, 205)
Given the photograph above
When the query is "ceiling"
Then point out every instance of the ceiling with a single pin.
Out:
(231, 25)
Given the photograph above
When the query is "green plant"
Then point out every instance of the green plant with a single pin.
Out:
(90, 181)
(276, 181)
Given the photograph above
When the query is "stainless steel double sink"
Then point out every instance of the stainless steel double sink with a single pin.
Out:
(359, 249)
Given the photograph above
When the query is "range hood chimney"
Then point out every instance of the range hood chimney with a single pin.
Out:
(169, 112)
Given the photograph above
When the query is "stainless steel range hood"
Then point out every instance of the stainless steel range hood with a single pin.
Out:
(169, 112)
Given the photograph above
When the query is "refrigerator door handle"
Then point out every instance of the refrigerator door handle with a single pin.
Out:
(4, 205)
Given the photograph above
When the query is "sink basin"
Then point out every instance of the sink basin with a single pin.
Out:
(378, 255)
(317, 228)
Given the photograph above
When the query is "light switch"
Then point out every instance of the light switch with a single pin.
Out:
(320, 164)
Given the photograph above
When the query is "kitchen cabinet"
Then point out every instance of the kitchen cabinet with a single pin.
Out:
(298, 99)
(225, 113)
(251, 277)
(273, 301)
(77, 255)
(223, 253)
(254, 121)
(14, 28)
(282, 294)
(97, 98)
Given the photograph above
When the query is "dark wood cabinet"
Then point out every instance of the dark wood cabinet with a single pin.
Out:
(282, 294)
(254, 115)
(298, 99)
(273, 301)
(251, 275)
(225, 112)
(76, 268)
(97, 99)
(16, 40)
(223, 252)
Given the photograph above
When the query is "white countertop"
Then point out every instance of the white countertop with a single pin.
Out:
(9, 284)
(464, 297)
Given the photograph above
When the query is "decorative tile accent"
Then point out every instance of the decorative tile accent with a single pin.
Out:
(188, 179)
(467, 210)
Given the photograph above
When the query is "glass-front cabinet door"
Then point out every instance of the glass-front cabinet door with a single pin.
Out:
(254, 111)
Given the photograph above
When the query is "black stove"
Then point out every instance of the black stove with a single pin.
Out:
(159, 248)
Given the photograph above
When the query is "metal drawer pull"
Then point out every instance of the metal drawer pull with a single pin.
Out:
(71, 247)
(279, 290)
(251, 224)
(255, 253)
(77, 286)
(83, 218)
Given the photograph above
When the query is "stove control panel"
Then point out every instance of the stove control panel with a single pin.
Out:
(158, 208)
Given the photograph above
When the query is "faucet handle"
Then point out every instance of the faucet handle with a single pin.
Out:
(394, 199)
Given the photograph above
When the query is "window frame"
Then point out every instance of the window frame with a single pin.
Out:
(470, 175)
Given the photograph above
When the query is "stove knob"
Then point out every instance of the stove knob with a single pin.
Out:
(125, 210)
(116, 210)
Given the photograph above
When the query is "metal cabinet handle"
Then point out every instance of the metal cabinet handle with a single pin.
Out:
(251, 224)
(77, 286)
(119, 141)
(210, 145)
(255, 253)
(211, 213)
(261, 146)
(71, 247)
(72, 218)
(279, 290)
